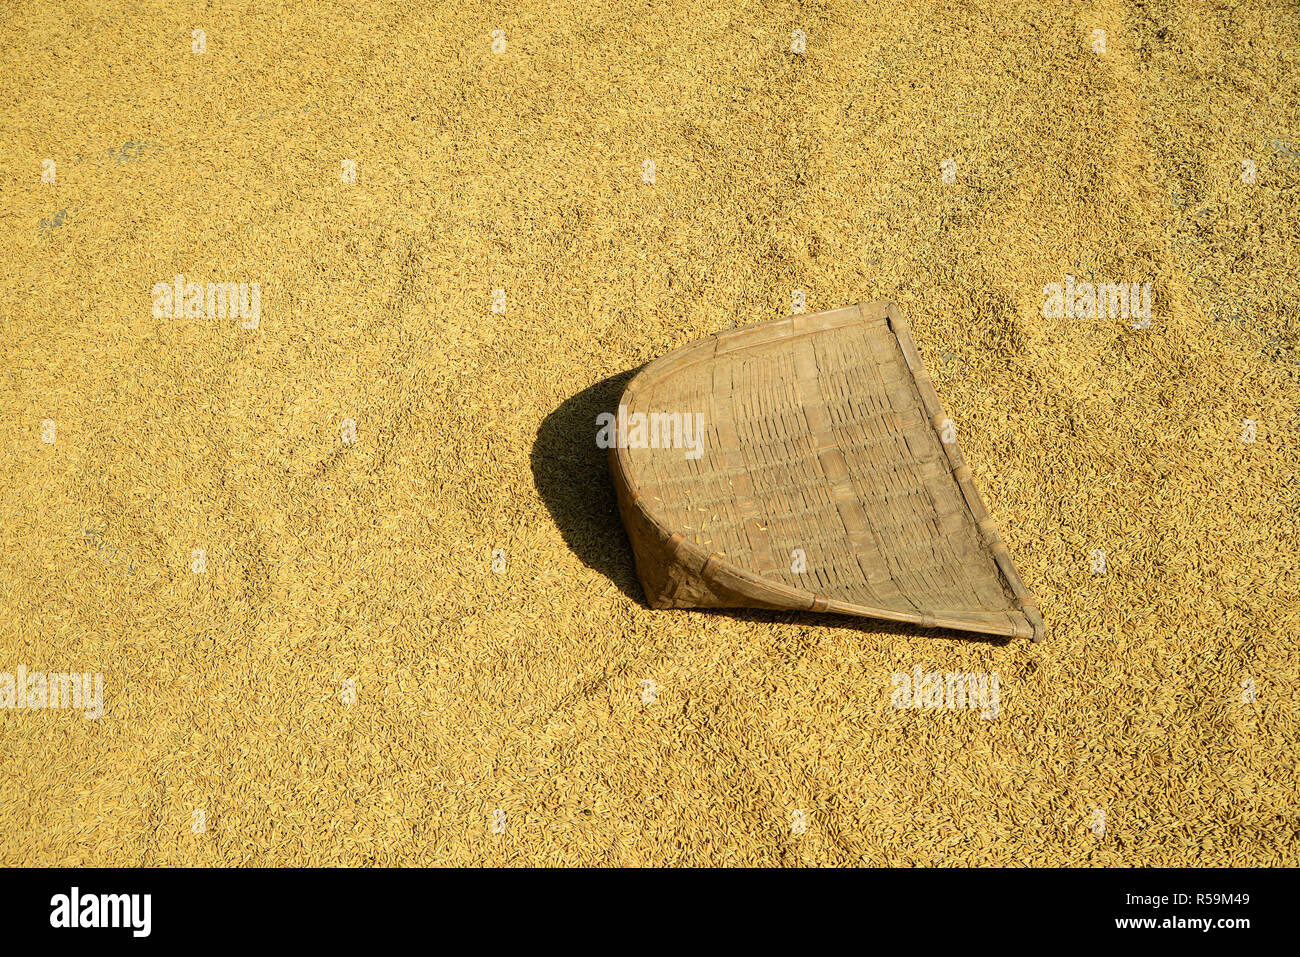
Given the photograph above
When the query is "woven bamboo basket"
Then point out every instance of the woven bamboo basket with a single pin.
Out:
(820, 480)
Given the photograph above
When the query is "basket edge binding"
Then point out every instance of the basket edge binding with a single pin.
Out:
(984, 520)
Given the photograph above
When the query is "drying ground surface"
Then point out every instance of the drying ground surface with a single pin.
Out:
(307, 657)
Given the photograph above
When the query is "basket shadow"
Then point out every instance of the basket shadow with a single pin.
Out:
(875, 626)
(572, 477)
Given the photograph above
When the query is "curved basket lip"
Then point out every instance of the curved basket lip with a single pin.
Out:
(752, 336)
(761, 333)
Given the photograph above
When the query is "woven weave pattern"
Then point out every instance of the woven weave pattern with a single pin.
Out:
(823, 481)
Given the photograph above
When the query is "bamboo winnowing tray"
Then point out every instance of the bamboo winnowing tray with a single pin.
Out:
(824, 482)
